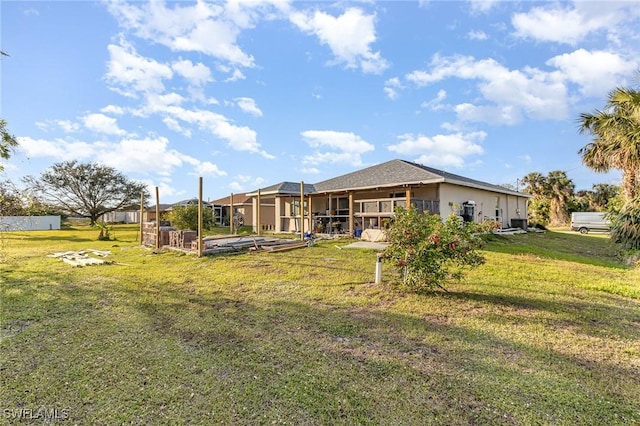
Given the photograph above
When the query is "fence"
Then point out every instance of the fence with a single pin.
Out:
(29, 223)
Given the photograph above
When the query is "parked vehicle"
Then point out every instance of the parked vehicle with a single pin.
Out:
(585, 222)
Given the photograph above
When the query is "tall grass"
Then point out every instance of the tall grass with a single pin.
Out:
(546, 332)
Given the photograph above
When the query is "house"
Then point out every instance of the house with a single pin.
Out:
(243, 211)
(366, 199)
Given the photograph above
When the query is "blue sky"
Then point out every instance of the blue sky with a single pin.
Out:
(250, 93)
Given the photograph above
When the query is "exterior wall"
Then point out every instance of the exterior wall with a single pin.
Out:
(267, 215)
(122, 217)
(449, 199)
(29, 223)
(488, 203)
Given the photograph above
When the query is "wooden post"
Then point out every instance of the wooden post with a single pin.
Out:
(158, 240)
(230, 213)
(302, 210)
(408, 195)
(142, 219)
(258, 217)
(200, 214)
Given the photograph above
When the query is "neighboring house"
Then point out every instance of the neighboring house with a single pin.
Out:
(366, 199)
(244, 211)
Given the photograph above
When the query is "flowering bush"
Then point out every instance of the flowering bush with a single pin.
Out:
(425, 250)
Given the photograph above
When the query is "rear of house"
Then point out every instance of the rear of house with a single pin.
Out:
(367, 198)
(585, 222)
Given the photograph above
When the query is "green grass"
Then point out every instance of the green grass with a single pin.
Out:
(546, 332)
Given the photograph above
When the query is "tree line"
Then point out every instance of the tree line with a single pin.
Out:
(615, 145)
(554, 198)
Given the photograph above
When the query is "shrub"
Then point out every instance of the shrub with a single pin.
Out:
(424, 249)
(186, 217)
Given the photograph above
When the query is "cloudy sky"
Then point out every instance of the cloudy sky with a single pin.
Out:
(249, 93)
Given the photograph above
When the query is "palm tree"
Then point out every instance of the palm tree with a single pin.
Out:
(559, 189)
(534, 184)
(616, 143)
(584, 201)
(602, 193)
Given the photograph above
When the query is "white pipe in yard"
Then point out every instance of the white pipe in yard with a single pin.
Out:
(379, 268)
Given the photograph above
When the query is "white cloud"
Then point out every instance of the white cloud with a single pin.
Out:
(506, 114)
(530, 92)
(243, 183)
(165, 189)
(236, 186)
(132, 73)
(196, 75)
(238, 138)
(482, 5)
(249, 106)
(392, 87)
(477, 35)
(207, 168)
(571, 23)
(148, 155)
(209, 28)
(112, 109)
(66, 126)
(435, 104)
(309, 170)
(58, 149)
(440, 150)
(596, 72)
(101, 123)
(175, 126)
(342, 147)
(349, 36)
(159, 103)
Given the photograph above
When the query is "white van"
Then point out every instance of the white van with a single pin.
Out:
(589, 221)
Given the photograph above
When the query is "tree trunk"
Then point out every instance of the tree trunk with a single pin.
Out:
(629, 185)
(558, 214)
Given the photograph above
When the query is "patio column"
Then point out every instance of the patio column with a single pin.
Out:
(278, 214)
(351, 230)
(408, 196)
(311, 230)
(258, 215)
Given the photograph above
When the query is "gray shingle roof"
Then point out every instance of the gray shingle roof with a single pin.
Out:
(391, 173)
(388, 174)
(292, 188)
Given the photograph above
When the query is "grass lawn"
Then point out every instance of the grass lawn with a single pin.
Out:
(546, 332)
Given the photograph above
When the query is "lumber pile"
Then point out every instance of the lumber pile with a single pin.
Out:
(82, 258)
(221, 245)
